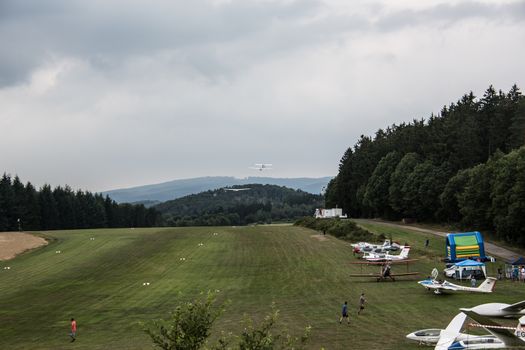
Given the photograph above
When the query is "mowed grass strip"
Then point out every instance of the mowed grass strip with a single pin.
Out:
(100, 283)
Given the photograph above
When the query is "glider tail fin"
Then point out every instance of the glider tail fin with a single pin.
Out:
(488, 285)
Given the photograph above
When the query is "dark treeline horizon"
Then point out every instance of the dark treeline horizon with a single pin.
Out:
(464, 166)
(23, 207)
(257, 203)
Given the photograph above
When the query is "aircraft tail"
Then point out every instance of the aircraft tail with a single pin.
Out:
(488, 285)
(404, 252)
(520, 328)
(449, 334)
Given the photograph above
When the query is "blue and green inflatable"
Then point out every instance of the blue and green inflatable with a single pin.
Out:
(466, 245)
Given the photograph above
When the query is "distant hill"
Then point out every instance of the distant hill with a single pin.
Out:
(240, 205)
(180, 188)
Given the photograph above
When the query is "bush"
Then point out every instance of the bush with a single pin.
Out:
(343, 229)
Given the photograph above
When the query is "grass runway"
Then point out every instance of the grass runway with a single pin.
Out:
(100, 283)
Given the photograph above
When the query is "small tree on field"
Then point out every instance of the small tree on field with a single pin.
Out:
(188, 327)
(190, 324)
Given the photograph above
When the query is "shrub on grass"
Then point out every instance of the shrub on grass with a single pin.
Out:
(189, 327)
(343, 229)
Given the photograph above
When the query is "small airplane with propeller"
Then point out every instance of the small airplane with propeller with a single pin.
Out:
(261, 166)
(440, 287)
(379, 257)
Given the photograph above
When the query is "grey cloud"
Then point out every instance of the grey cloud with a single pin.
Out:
(214, 40)
(95, 29)
(449, 14)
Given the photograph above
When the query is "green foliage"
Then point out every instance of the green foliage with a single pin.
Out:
(343, 229)
(398, 179)
(62, 208)
(444, 169)
(421, 190)
(259, 204)
(376, 195)
(449, 197)
(262, 337)
(188, 326)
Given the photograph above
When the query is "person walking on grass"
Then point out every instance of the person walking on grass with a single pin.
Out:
(73, 333)
(344, 313)
(362, 302)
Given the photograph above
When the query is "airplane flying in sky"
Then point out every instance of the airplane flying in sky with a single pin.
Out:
(237, 189)
(261, 166)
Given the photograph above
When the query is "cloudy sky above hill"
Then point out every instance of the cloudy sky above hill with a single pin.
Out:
(106, 94)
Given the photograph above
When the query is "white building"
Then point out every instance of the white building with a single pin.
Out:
(329, 213)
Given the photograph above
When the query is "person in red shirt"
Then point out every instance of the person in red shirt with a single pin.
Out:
(73, 333)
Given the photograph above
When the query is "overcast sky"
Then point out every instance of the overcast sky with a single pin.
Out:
(105, 94)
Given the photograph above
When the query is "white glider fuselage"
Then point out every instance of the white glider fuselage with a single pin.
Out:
(431, 336)
(500, 310)
(439, 287)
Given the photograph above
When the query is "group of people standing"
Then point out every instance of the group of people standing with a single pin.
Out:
(344, 311)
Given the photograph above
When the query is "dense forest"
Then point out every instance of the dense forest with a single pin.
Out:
(465, 165)
(253, 203)
(25, 208)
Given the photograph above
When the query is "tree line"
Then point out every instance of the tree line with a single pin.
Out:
(465, 165)
(26, 208)
(253, 203)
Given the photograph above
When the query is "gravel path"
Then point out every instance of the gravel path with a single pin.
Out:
(490, 249)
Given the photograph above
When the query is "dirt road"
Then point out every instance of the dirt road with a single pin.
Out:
(490, 249)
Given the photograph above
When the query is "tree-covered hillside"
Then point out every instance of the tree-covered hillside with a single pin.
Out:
(464, 165)
(252, 203)
(26, 208)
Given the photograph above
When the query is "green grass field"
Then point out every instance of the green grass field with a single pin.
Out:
(99, 282)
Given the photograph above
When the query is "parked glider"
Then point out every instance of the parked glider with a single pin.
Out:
(440, 287)
(443, 338)
(451, 338)
(509, 337)
(500, 310)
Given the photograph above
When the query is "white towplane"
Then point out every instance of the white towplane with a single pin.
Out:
(440, 287)
(501, 310)
(236, 189)
(261, 166)
(443, 338)
(368, 256)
